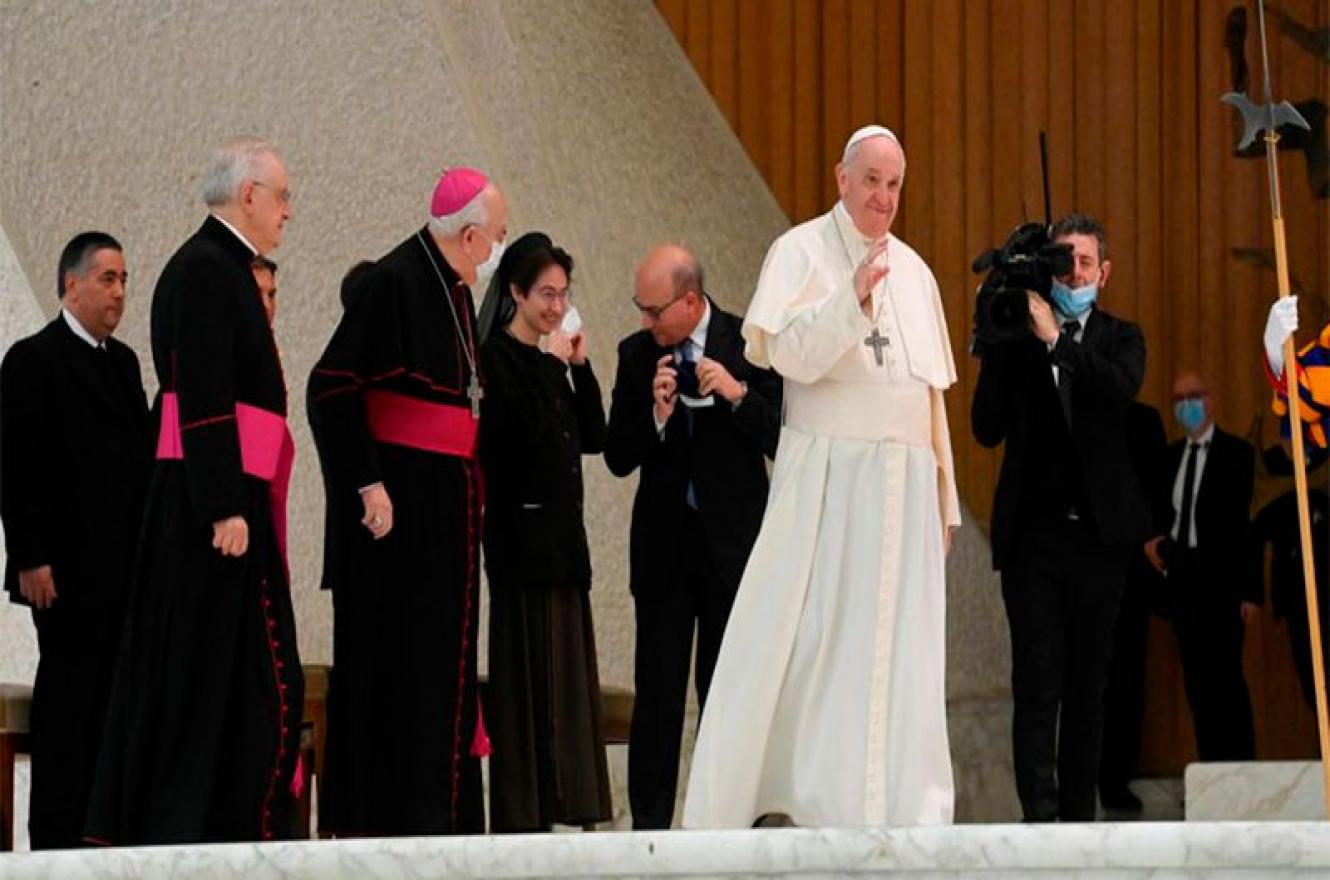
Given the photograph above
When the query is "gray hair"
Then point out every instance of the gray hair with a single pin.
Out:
(473, 213)
(234, 162)
(852, 149)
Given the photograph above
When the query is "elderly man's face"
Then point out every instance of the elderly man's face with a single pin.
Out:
(870, 186)
(97, 297)
(266, 201)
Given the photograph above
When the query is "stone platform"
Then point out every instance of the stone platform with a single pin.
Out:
(1154, 850)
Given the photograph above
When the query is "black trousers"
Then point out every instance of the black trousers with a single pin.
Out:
(77, 653)
(1062, 588)
(1208, 622)
(698, 599)
(1124, 700)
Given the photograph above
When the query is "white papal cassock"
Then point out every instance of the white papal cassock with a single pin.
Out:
(828, 700)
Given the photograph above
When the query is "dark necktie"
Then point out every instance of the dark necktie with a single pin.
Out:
(1069, 329)
(686, 362)
(1188, 491)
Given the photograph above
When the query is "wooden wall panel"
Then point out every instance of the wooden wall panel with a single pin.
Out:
(1128, 92)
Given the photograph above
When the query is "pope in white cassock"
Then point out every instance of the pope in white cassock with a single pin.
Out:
(828, 701)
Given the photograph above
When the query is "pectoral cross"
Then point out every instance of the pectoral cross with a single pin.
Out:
(474, 392)
(877, 342)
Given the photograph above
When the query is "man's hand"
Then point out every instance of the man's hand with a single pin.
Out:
(378, 516)
(1250, 611)
(231, 536)
(868, 275)
(712, 377)
(37, 586)
(559, 345)
(1042, 322)
(577, 355)
(1152, 553)
(663, 388)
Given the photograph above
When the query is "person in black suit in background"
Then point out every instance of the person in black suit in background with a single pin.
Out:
(74, 458)
(1067, 515)
(699, 421)
(1124, 699)
(1203, 511)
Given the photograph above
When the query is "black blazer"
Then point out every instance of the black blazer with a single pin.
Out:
(75, 449)
(1223, 514)
(1013, 394)
(534, 430)
(724, 458)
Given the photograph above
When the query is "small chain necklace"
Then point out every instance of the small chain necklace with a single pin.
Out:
(473, 389)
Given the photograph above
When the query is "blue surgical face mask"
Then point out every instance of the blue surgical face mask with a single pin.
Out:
(1190, 413)
(1074, 303)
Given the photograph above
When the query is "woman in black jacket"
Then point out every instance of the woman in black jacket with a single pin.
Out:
(541, 413)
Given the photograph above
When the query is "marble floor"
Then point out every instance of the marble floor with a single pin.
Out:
(1101, 850)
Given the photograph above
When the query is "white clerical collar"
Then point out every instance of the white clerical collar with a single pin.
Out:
(699, 335)
(237, 233)
(79, 329)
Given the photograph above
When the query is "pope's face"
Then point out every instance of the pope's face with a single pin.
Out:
(870, 185)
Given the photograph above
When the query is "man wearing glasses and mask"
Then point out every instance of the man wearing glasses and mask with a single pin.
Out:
(700, 422)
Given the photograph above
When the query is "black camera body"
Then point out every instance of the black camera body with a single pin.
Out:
(1028, 260)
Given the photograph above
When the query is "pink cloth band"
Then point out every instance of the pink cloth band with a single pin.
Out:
(419, 424)
(266, 452)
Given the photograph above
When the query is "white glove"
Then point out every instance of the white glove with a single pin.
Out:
(1279, 326)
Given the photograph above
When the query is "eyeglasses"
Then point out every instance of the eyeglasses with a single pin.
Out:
(654, 312)
(550, 295)
(284, 195)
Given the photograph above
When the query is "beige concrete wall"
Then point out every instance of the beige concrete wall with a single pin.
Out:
(587, 112)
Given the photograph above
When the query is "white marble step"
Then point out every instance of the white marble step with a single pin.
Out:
(1135, 850)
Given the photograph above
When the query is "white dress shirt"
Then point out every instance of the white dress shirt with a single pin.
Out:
(1202, 454)
(79, 330)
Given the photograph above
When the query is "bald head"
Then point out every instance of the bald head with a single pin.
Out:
(668, 292)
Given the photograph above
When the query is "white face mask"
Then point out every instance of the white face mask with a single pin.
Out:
(485, 271)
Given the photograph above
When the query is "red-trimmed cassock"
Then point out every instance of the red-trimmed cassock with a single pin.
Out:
(202, 732)
(388, 403)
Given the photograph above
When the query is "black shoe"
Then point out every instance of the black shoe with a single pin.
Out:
(774, 820)
(1120, 799)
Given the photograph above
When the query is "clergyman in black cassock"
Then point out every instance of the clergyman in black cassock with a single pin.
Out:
(394, 405)
(202, 734)
(74, 456)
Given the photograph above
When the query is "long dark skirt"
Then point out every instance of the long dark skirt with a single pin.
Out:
(544, 712)
(203, 726)
(402, 702)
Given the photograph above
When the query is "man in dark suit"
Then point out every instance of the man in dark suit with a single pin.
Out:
(1203, 519)
(699, 421)
(74, 447)
(1066, 517)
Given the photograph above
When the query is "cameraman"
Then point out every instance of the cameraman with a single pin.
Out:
(1067, 516)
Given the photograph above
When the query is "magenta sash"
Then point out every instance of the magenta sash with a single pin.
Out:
(266, 451)
(420, 424)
